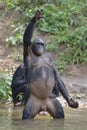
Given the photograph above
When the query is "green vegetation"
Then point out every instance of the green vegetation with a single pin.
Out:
(5, 90)
(64, 20)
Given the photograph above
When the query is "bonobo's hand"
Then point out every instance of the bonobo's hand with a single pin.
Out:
(73, 103)
(38, 14)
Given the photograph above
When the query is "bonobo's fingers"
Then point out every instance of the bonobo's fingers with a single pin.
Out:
(38, 14)
(73, 103)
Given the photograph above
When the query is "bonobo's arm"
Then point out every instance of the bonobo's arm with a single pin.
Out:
(27, 37)
(62, 88)
(28, 33)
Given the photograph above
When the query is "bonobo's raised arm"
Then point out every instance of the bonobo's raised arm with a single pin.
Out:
(29, 32)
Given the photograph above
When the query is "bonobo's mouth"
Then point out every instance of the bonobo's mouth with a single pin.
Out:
(39, 53)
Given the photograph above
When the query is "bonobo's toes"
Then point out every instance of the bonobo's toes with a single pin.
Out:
(20, 103)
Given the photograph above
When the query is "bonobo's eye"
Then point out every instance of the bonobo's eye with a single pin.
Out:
(38, 49)
(40, 46)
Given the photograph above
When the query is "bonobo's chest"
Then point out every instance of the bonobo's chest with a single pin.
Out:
(41, 67)
(41, 61)
(42, 77)
(35, 62)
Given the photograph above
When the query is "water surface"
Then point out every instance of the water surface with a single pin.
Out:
(75, 119)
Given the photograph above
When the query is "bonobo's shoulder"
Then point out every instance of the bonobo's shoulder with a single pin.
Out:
(19, 70)
(48, 58)
(21, 66)
(48, 55)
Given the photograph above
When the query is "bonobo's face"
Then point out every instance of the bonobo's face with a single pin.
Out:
(38, 49)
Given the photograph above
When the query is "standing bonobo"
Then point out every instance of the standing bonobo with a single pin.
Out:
(41, 76)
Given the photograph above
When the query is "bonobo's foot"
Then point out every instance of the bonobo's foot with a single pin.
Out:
(20, 103)
(73, 103)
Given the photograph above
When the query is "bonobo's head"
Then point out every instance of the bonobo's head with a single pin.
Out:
(38, 47)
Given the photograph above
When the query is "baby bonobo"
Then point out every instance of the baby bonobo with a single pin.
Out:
(41, 76)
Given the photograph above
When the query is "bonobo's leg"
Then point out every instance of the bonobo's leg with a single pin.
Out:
(55, 109)
(32, 108)
(20, 90)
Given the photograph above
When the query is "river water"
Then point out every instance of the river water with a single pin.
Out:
(75, 119)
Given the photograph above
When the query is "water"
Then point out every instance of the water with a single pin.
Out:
(75, 119)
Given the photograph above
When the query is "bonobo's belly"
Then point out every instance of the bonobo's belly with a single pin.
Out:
(42, 82)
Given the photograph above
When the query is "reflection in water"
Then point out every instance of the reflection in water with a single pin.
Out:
(75, 119)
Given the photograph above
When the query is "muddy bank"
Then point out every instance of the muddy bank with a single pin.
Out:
(76, 84)
(77, 87)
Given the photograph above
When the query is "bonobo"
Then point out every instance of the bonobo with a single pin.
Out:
(37, 79)
(19, 85)
(41, 76)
